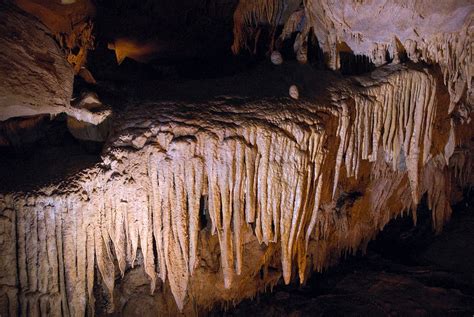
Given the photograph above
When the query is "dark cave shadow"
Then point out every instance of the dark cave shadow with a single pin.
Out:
(47, 154)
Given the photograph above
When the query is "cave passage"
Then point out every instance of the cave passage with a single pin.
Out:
(236, 158)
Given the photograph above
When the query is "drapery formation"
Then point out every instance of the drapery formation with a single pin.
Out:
(370, 29)
(270, 170)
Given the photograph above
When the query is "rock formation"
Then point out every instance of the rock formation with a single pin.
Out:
(350, 26)
(69, 22)
(211, 201)
(35, 76)
(262, 177)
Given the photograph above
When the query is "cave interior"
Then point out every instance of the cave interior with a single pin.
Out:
(236, 158)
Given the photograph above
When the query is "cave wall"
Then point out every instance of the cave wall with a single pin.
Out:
(200, 203)
(69, 22)
(35, 77)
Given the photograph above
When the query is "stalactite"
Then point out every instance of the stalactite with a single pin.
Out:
(397, 116)
(448, 47)
(258, 169)
(250, 15)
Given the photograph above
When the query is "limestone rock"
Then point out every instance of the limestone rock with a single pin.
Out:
(371, 28)
(35, 77)
(87, 131)
(202, 201)
(70, 24)
(274, 180)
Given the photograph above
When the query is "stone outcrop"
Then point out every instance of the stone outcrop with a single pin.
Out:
(35, 77)
(70, 22)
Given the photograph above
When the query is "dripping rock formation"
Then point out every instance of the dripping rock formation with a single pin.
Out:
(207, 192)
(217, 192)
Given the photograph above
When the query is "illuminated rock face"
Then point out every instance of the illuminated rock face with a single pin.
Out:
(212, 202)
(69, 23)
(215, 202)
(439, 34)
(370, 28)
(35, 77)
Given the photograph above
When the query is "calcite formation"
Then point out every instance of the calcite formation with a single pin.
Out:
(212, 201)
(251, 16)
(439, 34)
(216, 201)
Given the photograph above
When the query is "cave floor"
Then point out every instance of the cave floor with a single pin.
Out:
(407, 271)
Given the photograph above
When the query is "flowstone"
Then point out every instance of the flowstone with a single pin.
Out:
(215, 201)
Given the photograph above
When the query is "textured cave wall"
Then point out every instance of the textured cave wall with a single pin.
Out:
(200, 203)
(286, 188)
(35, 77)
(69, 22)
(422, 31)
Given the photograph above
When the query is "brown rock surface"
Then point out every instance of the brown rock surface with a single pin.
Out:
(69, 22)
(35, 77)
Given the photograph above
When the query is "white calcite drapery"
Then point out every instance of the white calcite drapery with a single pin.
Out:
(260, 166)
(438, 33)
(370, 28)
